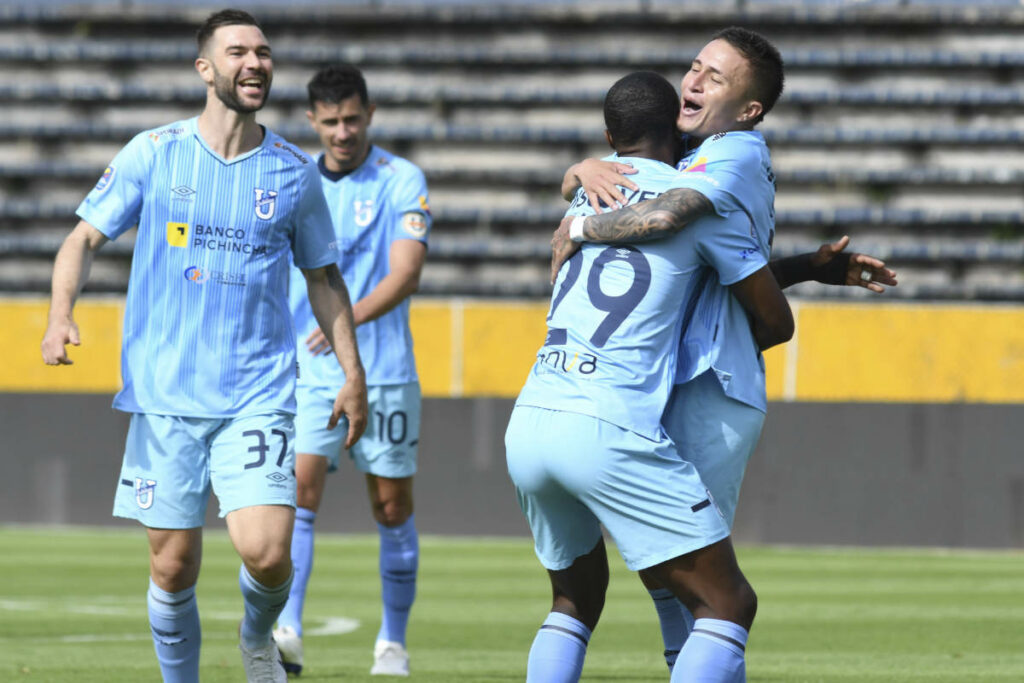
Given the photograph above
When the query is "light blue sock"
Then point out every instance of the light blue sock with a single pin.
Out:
(302, 561)
(399, 560)
(675, 620)
(174, 623)
(713, 654)
(262, 607)
(557, 653)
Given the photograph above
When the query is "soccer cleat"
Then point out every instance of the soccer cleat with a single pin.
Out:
(289, 644)
(263, 664)
(389, 659)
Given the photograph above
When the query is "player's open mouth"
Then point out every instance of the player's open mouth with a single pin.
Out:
(252, 85)
(691, 107)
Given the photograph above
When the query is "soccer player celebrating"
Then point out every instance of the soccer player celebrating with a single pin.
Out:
(717, 409)
(381, 214)
(585, 446)
(222, 206)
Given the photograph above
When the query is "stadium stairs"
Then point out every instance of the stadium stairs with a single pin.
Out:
(900, 124)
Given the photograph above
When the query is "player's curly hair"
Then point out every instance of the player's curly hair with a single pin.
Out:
(765, 65)
(225, 17)
(335, 83)
(641, 105)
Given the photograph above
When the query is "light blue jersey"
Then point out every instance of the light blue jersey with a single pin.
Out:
(206, 330)
(382, 201)
(733, 170)
(614, 321)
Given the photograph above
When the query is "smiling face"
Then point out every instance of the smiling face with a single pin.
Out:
(343, 129)
(236, 64)
(716, 93)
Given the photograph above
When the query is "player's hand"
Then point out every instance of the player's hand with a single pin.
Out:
(59, 332)
(562, 248)
(317, 343)
(863, 270)
(352, 403)
(601, 181)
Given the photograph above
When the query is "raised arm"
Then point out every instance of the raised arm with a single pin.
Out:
(643, 222)
(329, 299)
(70, 272)
(831, 266)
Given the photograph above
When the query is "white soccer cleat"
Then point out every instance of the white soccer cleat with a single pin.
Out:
(389, 659)
(263, 664)
(289, 644)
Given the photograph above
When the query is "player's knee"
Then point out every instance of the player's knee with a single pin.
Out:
(174, 573)
(270, 565)
(392, 512)
(307, 496)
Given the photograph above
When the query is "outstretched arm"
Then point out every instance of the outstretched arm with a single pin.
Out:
(329, 299)
(643, 222)
(830, 266)
(70, 271)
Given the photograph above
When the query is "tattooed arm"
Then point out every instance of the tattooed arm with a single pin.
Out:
(650, 220)
(643, 222)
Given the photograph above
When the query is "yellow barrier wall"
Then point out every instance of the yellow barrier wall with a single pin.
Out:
(841, 351)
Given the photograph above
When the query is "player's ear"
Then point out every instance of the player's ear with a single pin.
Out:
(311, 117)
(608, 137)
(205, 69)
(370, 108)
(750, 112)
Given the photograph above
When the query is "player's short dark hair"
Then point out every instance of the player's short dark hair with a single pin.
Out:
(641, 105)
(225, 17)
(765, 65)
(335, 83)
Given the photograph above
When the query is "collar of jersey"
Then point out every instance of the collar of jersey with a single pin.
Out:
(194, 124)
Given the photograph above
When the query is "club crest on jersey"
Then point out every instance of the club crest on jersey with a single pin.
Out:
(265, 205)
(145, 492)
(363, 212)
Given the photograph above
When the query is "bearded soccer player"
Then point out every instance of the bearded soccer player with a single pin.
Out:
(222, 206)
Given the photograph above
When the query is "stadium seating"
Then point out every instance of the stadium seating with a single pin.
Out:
(899, 126)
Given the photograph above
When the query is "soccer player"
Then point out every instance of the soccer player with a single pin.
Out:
(222, 205)
(381, 214)
(585, 446)
(717, 409)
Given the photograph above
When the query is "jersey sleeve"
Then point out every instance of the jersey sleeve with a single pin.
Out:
(411, 203)
(115, 204)
(731, 246)
(313, 242)
(722, 170)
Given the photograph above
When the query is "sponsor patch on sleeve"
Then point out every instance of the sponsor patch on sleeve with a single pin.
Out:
(414, 223)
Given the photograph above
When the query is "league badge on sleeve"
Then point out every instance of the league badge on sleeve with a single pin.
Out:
(104, 181)
(414, 223)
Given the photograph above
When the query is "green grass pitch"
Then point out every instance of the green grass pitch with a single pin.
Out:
(72, 608)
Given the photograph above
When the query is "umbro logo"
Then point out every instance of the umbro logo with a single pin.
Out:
(183, 192)
(277, 477)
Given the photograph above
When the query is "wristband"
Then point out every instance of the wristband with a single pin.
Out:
(576, 228)
(834, 272)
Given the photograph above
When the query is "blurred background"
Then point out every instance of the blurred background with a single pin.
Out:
(894, 419)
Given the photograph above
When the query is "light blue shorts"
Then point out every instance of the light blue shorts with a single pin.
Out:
(715, 433)
(171, 463)
(390, 443)
(574, 473)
